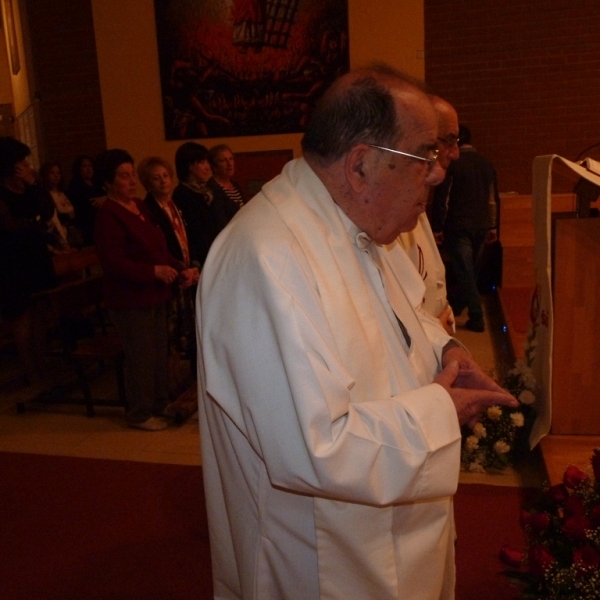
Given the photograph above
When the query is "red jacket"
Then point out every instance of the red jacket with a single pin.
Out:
(128, 248)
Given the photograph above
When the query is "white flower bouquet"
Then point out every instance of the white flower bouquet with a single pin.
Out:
(501, 435)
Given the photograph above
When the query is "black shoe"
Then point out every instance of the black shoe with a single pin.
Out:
(475, 325)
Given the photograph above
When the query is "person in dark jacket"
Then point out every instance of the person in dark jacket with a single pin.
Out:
(204, 214)
(86, 195)
(26, 266)
(464, 218)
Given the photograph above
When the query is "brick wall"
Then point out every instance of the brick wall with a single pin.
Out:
(524, 76)
(65, 79)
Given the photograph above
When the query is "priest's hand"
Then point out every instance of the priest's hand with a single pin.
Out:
(471, 401)
(470, 374)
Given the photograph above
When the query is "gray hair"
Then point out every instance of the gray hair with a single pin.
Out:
(358, 109)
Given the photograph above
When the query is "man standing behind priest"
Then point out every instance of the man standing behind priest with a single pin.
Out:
(330, 403)
(420, 244)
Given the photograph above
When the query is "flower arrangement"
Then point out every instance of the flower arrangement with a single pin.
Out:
(500, 436)
(561, 559)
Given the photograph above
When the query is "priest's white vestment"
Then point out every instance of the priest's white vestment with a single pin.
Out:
(422, 250)
(329, 458)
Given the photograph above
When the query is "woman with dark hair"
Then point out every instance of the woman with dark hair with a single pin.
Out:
(25, 261)
(222, 184)
(52, 181)
(138, 273)
(87, 196)
(156, 175)
(204, 215)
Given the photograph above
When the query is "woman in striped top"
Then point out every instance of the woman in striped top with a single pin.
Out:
(222, 185)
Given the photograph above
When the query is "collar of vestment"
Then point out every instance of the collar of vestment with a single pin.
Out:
(328, 240)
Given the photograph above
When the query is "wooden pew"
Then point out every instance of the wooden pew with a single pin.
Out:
(76, 318)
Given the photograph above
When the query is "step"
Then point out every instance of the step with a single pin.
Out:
(560, 451)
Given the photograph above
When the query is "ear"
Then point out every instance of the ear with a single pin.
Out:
(356, 167)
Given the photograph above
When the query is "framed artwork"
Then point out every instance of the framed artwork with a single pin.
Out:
(11, 31)
(246, 67)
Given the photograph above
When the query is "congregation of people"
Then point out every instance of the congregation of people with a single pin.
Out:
(150, 252)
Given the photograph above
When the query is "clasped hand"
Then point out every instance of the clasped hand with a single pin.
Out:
(189, 277)
(168, 275)
(165, 273)
(471, 390)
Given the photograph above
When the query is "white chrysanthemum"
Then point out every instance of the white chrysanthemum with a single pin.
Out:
(471, 443)
(476, 467)
(520, 366)
(517, 419)
(494, 413)
(501, 447)
(479, 431)
(528, 380)
(526, 397)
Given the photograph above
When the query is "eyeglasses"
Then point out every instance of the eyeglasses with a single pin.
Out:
(430, 160)
(449, 140)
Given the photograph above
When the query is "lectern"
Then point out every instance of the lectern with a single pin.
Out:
(576, 338)
(565, 310)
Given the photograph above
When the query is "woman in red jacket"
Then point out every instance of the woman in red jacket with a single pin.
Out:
(138, 272)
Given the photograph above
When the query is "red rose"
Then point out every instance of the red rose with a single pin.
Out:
(540, 560)
(587, 557)
(596, 463)
(574, 507)
(540, 522)
(558, 494)
(595, 515)
(575, 528)
(512, 557)
(537, 522)
(574, 477)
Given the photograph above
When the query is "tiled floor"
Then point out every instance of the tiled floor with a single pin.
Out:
(65, 430)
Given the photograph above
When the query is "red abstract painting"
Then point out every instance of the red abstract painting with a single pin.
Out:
(247, 67)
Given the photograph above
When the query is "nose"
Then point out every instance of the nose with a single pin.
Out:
(436, 175)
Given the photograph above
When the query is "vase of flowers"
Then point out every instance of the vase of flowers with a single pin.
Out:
(561, 560)
(500, 436)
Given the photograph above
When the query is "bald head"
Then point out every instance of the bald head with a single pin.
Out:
(447, 121)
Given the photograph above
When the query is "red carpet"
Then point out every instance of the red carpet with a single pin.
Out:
(487, 517)
(84, 529)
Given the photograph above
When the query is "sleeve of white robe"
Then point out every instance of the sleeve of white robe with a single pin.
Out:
(271, 365)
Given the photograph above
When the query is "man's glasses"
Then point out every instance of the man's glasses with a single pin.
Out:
(449, 140)
(430, 160)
